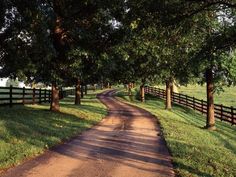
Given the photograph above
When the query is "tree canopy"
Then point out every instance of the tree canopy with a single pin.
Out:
(59, 42)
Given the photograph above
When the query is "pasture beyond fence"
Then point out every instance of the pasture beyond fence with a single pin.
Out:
(14, 95)
(224, 113)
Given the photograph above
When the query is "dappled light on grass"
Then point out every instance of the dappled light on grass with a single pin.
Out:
(196, 151)
(26, 131)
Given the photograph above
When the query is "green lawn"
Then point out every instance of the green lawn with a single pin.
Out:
(196, 151)
(227, 98)
(26, 131)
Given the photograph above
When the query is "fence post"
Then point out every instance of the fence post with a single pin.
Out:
(194, 103)
(61, 94)
(179, 99)
(40, 92)
(232, 115)
(45, 95)
(221, 112)
(49, 96)
(10, 95)
(23, 96)
(186, 100)
(202, 106)
(33, 95)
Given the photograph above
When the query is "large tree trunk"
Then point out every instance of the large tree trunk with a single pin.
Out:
(142, 94)
(210, 122)
(168, 94)
(77, 93)
(55, 99)
(58, 43)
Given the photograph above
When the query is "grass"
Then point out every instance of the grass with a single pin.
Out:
(196, 151)
(227, 97)
(26, 131)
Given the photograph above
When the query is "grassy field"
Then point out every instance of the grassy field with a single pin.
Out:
(227, 98)
(26, 131)
(196, 151)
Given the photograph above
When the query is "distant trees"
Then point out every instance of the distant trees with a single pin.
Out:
(13, 82)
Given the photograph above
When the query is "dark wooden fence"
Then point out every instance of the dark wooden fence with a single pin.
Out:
(224, 113)
(14, 95)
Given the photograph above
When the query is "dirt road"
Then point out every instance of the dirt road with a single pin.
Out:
(127, 143)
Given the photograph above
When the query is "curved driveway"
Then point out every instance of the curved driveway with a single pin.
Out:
(127, 143)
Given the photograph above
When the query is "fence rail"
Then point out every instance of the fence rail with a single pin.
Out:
(224, 113)
(14, 95)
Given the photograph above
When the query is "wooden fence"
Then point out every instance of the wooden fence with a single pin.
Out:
(224, 113)
(14, 95)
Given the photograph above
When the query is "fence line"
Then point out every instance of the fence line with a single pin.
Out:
(14, 95)
(224, 113)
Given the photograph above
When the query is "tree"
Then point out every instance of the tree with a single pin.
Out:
(188, 28)
(13, 82)
(62, 25)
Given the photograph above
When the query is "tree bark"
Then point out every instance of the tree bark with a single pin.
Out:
(142, 94)
(210, 122)
(168, 94)
(55, 99)
(59, 45)
(77, 93)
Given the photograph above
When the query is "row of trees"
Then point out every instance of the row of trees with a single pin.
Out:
(57, 42)
(185, 41)
(69, 43)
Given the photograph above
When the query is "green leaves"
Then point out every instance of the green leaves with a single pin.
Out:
(118, 40)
